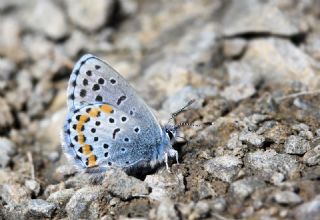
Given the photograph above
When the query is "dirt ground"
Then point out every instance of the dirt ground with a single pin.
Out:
(252, 67)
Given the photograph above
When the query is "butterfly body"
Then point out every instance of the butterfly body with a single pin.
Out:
(108, 124)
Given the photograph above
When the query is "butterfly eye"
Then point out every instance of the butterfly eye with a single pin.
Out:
(169, 133)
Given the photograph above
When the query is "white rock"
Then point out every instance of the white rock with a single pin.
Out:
(89, 14)
(48, 18)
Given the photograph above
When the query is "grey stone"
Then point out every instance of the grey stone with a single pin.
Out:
(311, 173)
(224, 167)
(197, 45)
(200, 210)
(318, 132)
(64, 171)
(252, 16)
(288, 65)
(41, 208)
(10, 40)
(252, 139)
(241, 189)
(185, 208)
(166, 210)
(54, 188)
(165, 185)
(53, 156)
(165, 78)
(48, 18)
(7, 5)
(20, 96)
(90, 14)
(301, 104)
(238, 92)
(6, 117)
(309, 210)
(179, 99)
(7, 150)
(301, 127)
(80, 204)
(233, 141)
(266, 163)
(60, 198)
(234, 47)
(7, 69)
(178, 68)
(77, 42)
(19, 212)
(38, 47)
(312, 157)
(83, 179)
(296, 145)
(313, 45)
(242, 73)
(205, 190)
(307, 135)
(287, 198)
(218, 204)
(14, 194)
(277, 178)
(128, 7)
(118, 183)
(34, 186)
(274, 131)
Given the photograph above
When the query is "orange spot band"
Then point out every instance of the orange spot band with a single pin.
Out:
(87, 149)
(81, 138)
(106, 108)
(83, 119)
(94, 112)
(92, 160)
(79, 127)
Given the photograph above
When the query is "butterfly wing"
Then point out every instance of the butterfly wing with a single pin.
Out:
(107, 124)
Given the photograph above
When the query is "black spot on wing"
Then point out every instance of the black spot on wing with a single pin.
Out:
(89, 73)
(121, 99)
(115, 131)
(95, 87)
(83, 93)
(85, 82)
(99, 98)
(101, 81)
(113, 81)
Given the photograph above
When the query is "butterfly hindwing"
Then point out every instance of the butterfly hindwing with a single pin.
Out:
(107, 124)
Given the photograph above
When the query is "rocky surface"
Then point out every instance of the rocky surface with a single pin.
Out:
(251, 65)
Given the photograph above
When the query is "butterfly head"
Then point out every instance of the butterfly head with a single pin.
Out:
(171, 131)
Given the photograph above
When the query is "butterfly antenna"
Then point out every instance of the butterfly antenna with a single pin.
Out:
(173, 115)
(192, 125)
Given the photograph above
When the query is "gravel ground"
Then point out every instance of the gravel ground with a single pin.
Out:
(252, 66)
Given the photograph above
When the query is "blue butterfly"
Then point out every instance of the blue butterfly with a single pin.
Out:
(109, 125)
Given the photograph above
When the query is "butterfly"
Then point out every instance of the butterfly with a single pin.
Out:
(109, 125)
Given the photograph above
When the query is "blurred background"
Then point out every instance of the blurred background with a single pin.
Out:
(252, 66)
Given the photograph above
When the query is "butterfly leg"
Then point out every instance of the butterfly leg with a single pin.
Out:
(174, 153)
(177, 157)
(166, 161)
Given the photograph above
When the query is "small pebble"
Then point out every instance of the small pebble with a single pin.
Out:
(40, 208)
(223, 167)
(34, 186)
(287, 198)
(119, 184)
(296, 145)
